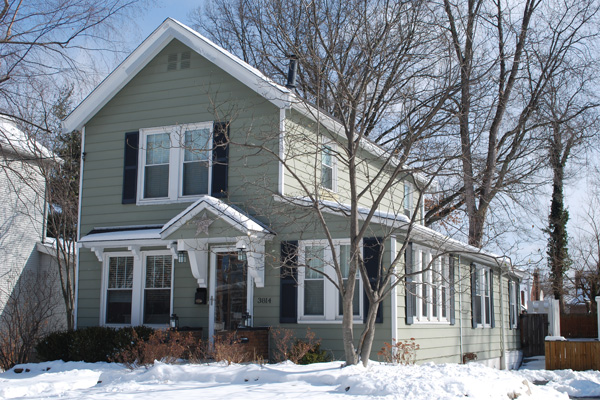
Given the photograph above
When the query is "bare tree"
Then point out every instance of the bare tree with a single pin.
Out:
(368, 70)
(508, 53)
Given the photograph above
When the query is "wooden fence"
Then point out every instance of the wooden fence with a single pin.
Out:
(578, 355)
(534, 328)
(579, 325)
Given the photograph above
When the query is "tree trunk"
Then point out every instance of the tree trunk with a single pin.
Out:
(366, 342)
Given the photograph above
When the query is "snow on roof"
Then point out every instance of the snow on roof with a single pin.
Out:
(231, 214)
(15, 140)
(123, 235)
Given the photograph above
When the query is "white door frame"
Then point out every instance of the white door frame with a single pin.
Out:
(212, 286)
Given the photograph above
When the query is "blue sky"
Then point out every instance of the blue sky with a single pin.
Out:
(161, 10)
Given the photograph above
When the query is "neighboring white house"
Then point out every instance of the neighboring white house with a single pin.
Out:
(25, 255)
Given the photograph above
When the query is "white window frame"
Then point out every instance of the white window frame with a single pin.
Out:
(407, 200)
(331, 295)
(176, 161)
(333, 148)
(424, 305)
(514, 303)
(480, 271)
(137, 295)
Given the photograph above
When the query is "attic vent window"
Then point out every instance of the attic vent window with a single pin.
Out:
(177, 61)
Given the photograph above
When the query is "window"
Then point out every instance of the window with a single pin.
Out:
(482, 297)
(137, 290)
(119, 290)
(431, 287)
(177, 162)
(328, 167)
(407, 201)
(513, 303)
(157, 289)
(319, 299)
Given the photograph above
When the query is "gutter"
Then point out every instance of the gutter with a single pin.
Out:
(82, 162)
(502, 327)
(460, 319)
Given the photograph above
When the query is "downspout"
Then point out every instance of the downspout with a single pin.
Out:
(502, 333)
(460, 320)
(82, 161)
(394, 292)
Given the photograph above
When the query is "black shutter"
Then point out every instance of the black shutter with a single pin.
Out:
(220, 159)
(409, 287)
(473, 295)
(492, 311)
(451, 265)
(511, 308)
(130, 166)
(372, 255)
(288, 295)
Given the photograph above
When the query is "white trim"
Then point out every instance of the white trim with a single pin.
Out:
(138, 286)
(428, 318)
(281, 168)
(232, 216)
(176, 135)
(171, 29)
(331, 294)
(480, 271)
(333, 148)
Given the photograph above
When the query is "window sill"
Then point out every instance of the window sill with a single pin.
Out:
(150, 202)
(327, 321)
(417, 322)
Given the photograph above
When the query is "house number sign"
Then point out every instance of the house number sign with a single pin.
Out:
(264, 300)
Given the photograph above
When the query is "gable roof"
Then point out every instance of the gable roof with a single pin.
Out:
(228, 213)
(167, 31)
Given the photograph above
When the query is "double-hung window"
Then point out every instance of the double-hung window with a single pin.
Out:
(138, 290)
(319, 299)
(328, 167)
(482, 296)
(176, 162)
(431, 287)
(513, 303)
(407, 200)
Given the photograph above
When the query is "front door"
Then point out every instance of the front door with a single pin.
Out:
(229, 292)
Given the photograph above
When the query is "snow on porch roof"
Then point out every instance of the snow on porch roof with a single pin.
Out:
(229, 213)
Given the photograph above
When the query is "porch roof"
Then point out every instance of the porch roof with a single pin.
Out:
(227, 212)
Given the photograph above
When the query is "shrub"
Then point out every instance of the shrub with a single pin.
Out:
(295, 350)
(315, 355)
(164, 346)
(91, 344)
(403, 352)
(229, 348)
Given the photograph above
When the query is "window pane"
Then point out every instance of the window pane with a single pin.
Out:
(157, 149)
(157, 306)
(158, 271)
(120, 273)
(444, 302)
(156, 181)
(313, 297)
(487, 310)
(477, 310)
(315, 261)
(424, 294)
(118, 306)
(196, 145)
(195, 178)
(434, 301)
(345, 260)
(327, 167)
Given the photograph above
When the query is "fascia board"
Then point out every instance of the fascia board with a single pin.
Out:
(171, 29)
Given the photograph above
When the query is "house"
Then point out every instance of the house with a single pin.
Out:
(27, 258)
(193, 202)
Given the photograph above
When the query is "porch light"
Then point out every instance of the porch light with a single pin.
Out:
(182, 256)
(174, 322)
(241, 248)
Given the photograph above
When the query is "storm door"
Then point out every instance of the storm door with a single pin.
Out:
(229, 300)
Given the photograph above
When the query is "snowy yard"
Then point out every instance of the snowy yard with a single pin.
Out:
(78, 380)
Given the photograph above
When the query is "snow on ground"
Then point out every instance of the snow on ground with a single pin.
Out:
(78, 380)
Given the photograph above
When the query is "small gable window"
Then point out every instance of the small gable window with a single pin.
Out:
(328, 167)
(176, 162)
